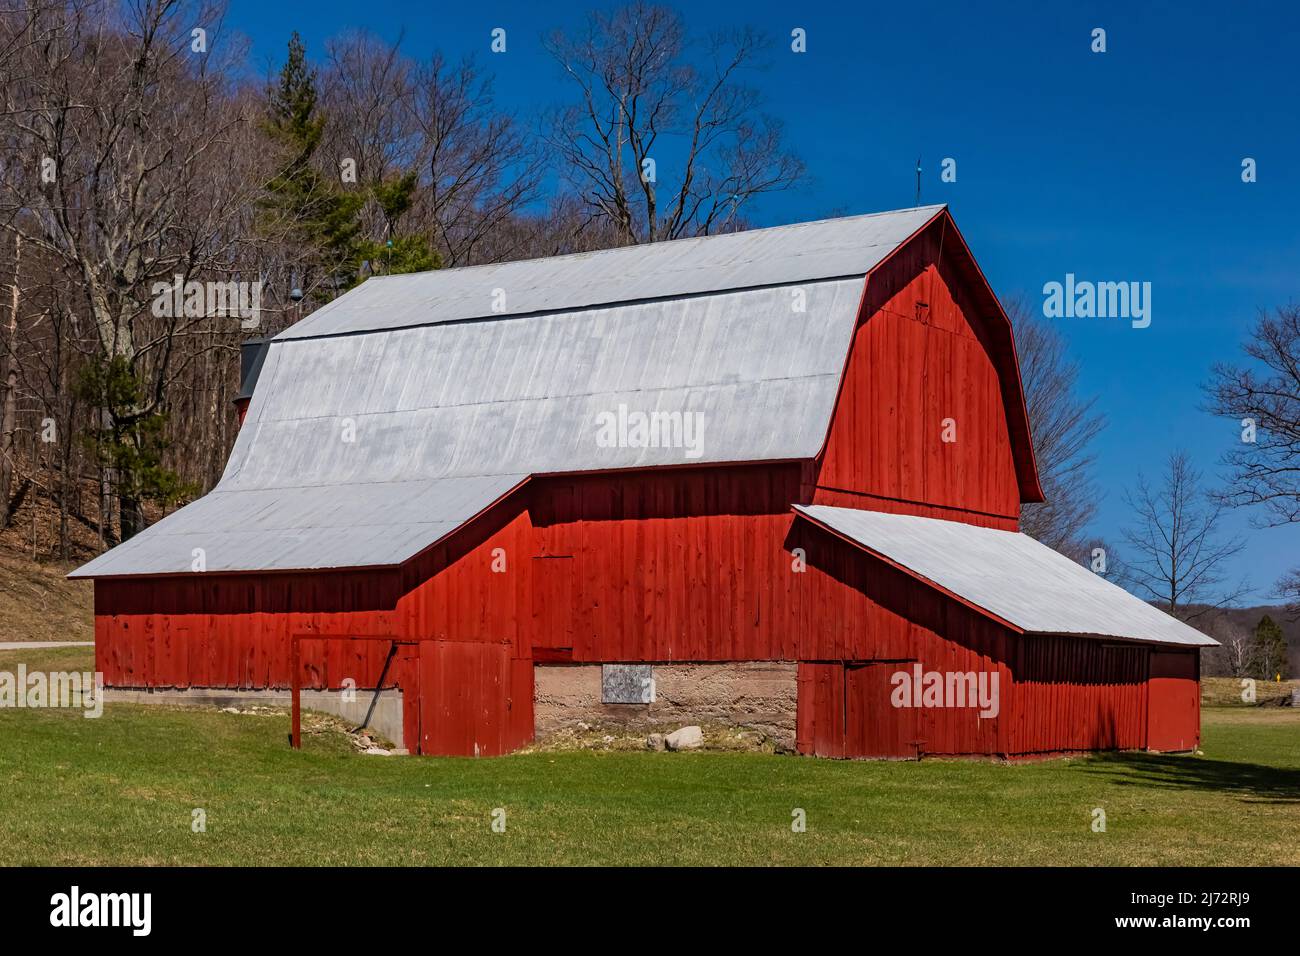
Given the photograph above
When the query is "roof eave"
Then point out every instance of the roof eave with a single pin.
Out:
(1203, 641)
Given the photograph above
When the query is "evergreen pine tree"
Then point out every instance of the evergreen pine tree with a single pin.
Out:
(1269, 649)
(301, 206)
(398, 252)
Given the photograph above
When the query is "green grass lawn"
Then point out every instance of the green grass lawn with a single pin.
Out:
(121, 790)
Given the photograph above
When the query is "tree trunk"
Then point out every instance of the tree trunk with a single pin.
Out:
(131, 515)
(64, 412)
(105, 493)
(9, 396)
(64, 550)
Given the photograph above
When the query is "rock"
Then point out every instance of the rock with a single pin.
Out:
(230, 710)
(784, 744)
(377, 751)
(687, 738)
(655, 742)
(583, 725)
(607, 739)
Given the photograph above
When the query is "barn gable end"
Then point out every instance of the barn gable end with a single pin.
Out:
(928, 418)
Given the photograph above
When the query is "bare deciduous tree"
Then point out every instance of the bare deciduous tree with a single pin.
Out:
(483, 171)
(1289, 588)
(652, 101)
(1237, 651)
(1264, 400)
(1175, 551)
(367, 94)
(1063, 426)
(475, 169)
(1234, 655)
(9, 392)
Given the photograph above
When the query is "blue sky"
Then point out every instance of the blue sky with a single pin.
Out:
(1122, 166)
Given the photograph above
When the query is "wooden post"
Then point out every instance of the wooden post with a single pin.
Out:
(295, 683)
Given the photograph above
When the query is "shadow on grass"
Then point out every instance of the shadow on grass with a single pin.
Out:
(1253, 782)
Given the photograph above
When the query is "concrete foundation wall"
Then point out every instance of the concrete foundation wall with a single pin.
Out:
(386, 720)
(759, 696)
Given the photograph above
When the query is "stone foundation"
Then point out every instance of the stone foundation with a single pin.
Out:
(757, 696)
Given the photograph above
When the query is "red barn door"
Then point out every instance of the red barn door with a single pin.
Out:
(844, 711)
(873, 727)
(1174, 701)
(465, 699)
(819, 714)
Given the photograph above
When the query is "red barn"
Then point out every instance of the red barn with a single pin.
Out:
(770, 478)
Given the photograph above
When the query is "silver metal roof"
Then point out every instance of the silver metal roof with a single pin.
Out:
(400, 411)
(781, 255)
(1008, 574)
(305, 527)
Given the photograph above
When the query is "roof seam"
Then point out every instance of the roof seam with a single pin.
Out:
(547, 398)
(565, 310)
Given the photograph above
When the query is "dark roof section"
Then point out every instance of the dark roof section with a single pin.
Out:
(252, 354)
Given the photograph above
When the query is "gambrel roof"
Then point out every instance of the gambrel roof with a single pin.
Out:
(402, 410)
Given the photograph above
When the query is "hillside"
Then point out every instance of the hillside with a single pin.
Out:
(37, 603)
(1220, 623)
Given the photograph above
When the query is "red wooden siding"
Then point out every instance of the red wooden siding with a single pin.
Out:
(1174, 721)
(873, 726)
(846, 710)
(474, 699)
(921, 355)
(819, 721)
(669, 566)
(234, 630)
(1073, 694)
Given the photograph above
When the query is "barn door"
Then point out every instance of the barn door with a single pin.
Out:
(465, 705)
(819, 720)
(873, 727)
(844, 711)
(1173, 701)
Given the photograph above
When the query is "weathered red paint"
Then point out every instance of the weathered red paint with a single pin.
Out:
(474, 699)
(924, 366)
(703, 564)
(1174, 708)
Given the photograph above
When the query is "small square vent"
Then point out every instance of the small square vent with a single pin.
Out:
(627, 684)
